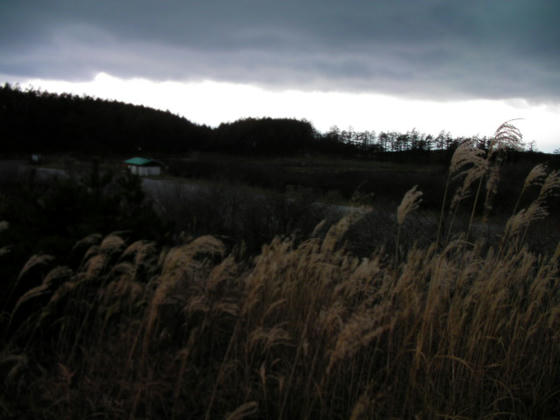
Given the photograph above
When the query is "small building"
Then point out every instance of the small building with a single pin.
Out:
(143, 167)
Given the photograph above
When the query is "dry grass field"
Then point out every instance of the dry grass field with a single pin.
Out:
(455, 329)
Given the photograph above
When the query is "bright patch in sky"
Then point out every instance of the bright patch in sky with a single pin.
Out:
(211, 103)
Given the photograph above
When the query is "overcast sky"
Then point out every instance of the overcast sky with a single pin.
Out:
(395, 64)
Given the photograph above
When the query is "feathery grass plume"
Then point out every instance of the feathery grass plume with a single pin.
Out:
(409, 203)
(132, 250)
(40, 295)
(274, 308)
(518, 224)
(91, 252)
(176, 259)
(176, 263)
(226, 307)
(57, 276)
(523, 218)
(198, 251)
(550, 187)
(535, 177)
(471, 175)
(123, 271)
(208, 247)
(124, 289)
(337, 231)
(507, 136)
(361, 407)
(269, 338)
(196, 304)
(330, 320)
(88, 241)
(363, 279)
(147, 255)
(29, 276)
(465, 154)
(181, 266)
(468, 155)
(317, 229)
(223, 272)
(141, 252)
(95, 265)
(92, 239)
(30, 295)
(58, 299)
(37, 260)
(364, 327)
(268, 271)
(111, 245)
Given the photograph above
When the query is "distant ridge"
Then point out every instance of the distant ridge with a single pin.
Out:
(35, 121)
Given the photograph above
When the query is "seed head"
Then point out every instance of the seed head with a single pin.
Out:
(550, 186)
(535, 177)
(507, 136)
(409, 203)
(464, 155)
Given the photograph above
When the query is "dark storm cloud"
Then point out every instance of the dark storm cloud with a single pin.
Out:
(430, 48)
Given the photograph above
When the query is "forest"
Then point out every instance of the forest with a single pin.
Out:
(35, 121)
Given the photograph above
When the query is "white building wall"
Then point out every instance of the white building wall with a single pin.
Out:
(145, 170)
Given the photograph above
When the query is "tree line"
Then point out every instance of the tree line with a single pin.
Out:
(34, 121)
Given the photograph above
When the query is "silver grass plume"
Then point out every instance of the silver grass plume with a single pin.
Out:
(507, 136)
(409, 203)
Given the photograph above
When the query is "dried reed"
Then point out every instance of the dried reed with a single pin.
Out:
(304, 330)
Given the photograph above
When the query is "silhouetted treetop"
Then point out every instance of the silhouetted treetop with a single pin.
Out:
(265, 136)
(38, 121)
(33, 120)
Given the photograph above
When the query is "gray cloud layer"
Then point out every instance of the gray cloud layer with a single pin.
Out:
(427, 48)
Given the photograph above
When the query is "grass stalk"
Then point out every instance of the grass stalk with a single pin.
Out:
(475, 204)
(442, 210)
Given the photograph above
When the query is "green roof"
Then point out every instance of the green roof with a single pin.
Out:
(140, 161)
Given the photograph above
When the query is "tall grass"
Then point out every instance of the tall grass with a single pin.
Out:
(457, 329)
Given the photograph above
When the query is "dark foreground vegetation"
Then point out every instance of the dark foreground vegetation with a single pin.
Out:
(233, 305)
